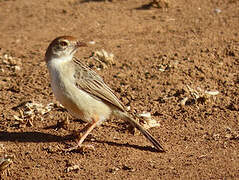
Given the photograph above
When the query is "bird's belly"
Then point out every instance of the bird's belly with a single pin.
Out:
(79, 103)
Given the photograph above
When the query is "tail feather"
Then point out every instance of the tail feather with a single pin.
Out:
(146, 134)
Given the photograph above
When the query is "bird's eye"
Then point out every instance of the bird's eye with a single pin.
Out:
(63, 43)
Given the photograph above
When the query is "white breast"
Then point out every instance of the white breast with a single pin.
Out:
(78, 102)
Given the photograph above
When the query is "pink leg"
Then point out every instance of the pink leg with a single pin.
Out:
(89, 128)
(86, 133)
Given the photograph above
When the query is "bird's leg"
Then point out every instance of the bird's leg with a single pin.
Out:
(87, 132)
(79, 133)
(89, 128)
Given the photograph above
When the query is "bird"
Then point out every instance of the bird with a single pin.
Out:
(82, 91)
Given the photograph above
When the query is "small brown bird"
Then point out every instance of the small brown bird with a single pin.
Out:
(82, 91)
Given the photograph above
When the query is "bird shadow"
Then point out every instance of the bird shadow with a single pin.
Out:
(144, 7)
(142, 148)
(38, 137)
(88, 1)
(30, 137)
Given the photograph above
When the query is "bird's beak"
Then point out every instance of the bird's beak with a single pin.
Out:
(81, 44)
(77, 45)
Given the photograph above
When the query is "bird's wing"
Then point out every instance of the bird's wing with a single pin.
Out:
(90, 82)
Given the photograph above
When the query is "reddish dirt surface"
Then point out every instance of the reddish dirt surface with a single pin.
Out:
(158, 52)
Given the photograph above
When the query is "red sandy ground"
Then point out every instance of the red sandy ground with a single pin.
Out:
(158, 52)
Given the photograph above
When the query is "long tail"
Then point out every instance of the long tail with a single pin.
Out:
(145, 133)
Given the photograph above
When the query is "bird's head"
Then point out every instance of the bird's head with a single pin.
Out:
(63, 47)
